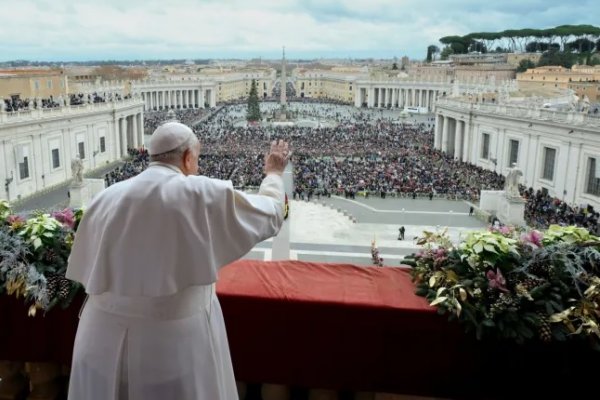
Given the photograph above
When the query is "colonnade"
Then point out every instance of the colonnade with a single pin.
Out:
(386, 97)
(177, 98)
(451, 137)
(129, 132)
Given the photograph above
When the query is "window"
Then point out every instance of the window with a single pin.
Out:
(485, 146)
(593, 179)
(81, 148)
(513, 155)
(549, 159)
(55, 159)
(24, 168)
(49, 83)
(23, 161)
(37, 84)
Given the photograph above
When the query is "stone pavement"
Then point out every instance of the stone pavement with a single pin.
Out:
(57, 196)
(322, 233)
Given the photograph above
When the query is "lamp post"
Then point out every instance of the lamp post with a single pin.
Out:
(7, 183)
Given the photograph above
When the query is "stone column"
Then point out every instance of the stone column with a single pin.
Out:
(116, 140)
(140, 131)
(371, 97)
(357, 96)
(201, 98)
(414, 98)
(123, 136)
(444, 134)
(437, 135)
(134, 131)
(465, 151)
(395, 98)
(458, 139)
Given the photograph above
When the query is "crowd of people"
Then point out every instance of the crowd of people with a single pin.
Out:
(542, 210)
(365, 153)
(18, 104)
(188, 116)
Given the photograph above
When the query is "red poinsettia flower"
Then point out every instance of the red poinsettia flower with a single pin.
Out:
(496, 280)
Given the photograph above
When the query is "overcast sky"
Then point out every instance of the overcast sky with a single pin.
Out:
(133, 29)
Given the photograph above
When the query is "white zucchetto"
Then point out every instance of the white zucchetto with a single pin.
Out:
(168, 136)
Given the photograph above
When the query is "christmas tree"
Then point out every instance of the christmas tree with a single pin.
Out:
(253, 107)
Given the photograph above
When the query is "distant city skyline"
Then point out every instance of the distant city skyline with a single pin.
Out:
(61, 31)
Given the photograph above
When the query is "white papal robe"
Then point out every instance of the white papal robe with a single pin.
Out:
(147, 252)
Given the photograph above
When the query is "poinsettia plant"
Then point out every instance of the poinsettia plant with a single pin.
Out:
(514, 285)
(33, 256)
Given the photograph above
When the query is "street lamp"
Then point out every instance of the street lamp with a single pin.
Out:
(7, 183)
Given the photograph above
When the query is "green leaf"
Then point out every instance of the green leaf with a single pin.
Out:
(490, 248)
(37, 243)
(478, 248)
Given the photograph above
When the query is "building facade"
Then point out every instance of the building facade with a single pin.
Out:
(38, 145)
(30, 84)
(558, 152)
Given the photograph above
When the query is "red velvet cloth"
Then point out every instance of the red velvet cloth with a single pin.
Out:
(297, 323)
(333, 326)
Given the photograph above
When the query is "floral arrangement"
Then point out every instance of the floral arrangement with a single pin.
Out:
(33, 256)
(377, 260)
(513, 285)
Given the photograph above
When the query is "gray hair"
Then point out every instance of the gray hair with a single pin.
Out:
(174, 156)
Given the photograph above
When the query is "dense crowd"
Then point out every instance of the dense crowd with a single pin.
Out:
(186, 116)
(543, 210)
(364, 153)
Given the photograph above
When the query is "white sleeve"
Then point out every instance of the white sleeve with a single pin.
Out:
(243, 220)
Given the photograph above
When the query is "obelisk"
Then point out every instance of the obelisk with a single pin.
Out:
(283, 100)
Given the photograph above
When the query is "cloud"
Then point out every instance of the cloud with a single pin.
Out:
(133, 29)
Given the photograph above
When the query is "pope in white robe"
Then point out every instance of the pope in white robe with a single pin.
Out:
(148, 251)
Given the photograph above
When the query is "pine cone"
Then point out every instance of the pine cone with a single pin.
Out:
(531, 283)
(545, 331)
(50, 256)
(65, 288)
(52, 285)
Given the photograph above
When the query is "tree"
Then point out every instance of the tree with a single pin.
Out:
(555, 57)
(395, 66)
(432, 50)
(446, 52)
(524, 65)
(478, 47)
(580, 45)
(253, 114)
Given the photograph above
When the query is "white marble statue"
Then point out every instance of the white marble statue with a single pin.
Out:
(77, 171)
(585, 104)
(511, 185)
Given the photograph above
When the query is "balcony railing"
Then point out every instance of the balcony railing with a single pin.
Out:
(66, 111)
